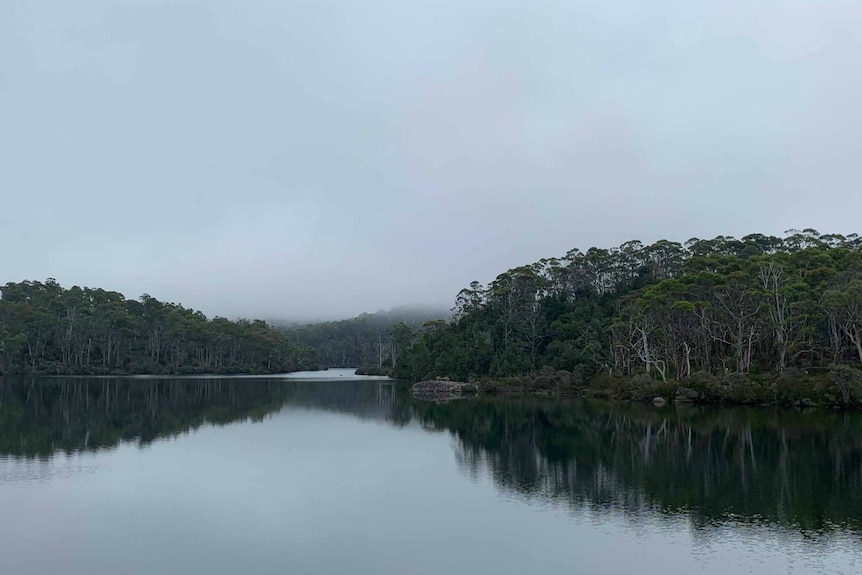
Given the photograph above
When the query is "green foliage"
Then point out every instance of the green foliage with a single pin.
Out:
(757, 305)
(846, 384)
(47, 329)
(546, 381)
(374, 370)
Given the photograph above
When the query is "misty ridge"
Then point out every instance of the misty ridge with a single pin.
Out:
(414, 315)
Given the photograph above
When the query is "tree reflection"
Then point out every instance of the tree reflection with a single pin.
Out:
(799, 470)
(42, 417)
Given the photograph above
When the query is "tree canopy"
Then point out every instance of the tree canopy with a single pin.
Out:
(753, 305)
(45, 328)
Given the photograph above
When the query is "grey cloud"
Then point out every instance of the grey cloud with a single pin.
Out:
(298, 159)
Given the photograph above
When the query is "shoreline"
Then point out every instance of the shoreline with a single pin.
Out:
(833, 388)
(99, 373)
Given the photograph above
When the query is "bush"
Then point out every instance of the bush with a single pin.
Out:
(374, 370)
(644, 388)
(846, 385)
(705, 384)
(740, 388)
(547, 381)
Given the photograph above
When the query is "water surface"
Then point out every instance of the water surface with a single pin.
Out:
(330, 473)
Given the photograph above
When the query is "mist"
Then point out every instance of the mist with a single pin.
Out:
(314, 160)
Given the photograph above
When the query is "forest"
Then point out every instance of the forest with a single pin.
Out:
(45, 328)
(761, 319)
(742, 319)
(371, 341)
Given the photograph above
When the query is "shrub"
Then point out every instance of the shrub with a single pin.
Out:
(846, 385)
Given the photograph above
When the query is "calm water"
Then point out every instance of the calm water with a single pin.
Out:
(339, 474)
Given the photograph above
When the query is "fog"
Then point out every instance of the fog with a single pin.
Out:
(300, 159)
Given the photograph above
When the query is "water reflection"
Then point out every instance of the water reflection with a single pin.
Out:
(715, 467)
(39, 418)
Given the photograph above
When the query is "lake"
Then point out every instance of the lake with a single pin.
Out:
(333, 473)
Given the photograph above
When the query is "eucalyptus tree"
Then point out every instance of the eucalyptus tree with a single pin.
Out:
(843, 305)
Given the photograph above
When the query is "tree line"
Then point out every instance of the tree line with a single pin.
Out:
(750, 306)
(45, 328)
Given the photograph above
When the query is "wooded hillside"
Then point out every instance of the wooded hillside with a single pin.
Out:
(367, 340)
(45, 328)
(749, 306)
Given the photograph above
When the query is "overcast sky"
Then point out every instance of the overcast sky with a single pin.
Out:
(320, 158)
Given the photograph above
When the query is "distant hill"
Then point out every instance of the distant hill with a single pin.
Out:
(411, 314)
(366, 340)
